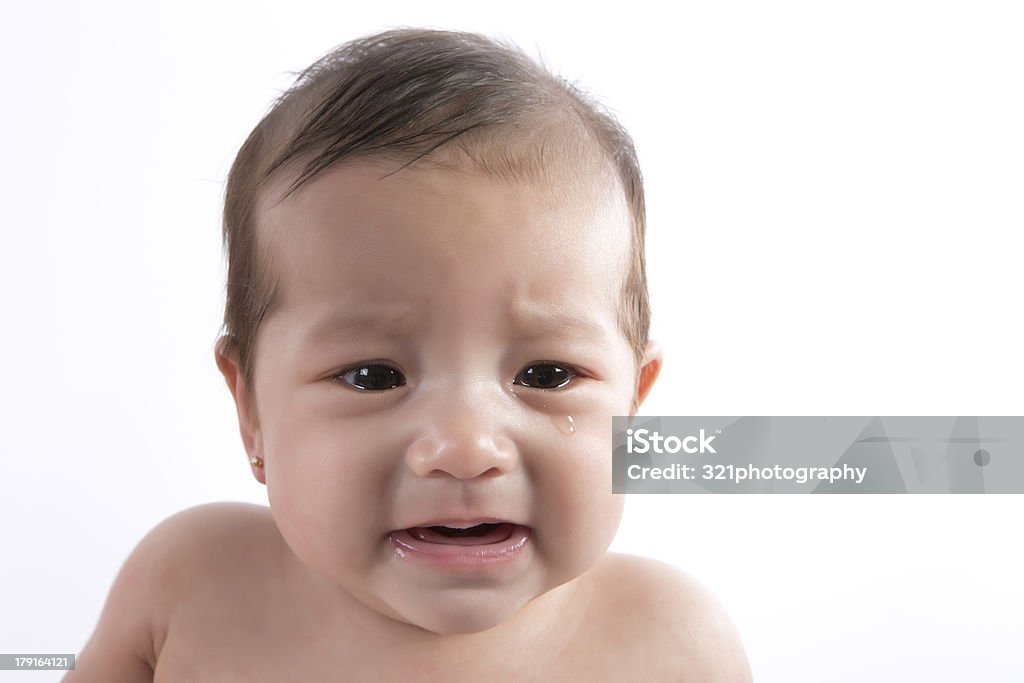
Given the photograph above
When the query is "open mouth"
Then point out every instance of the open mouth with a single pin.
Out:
(480, 534)
(485, 542)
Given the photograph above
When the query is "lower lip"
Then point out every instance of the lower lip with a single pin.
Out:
(407, 546)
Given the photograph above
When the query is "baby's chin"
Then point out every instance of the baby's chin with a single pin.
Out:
(455, 611)
(453, 621)
(538, 595)
(460, 611)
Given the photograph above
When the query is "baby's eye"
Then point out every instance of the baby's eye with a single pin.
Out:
(372, 377)
(544, 376)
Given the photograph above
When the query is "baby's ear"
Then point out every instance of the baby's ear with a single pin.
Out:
(226, 355)
(649, 371)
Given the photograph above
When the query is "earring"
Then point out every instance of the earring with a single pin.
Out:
(256, 460)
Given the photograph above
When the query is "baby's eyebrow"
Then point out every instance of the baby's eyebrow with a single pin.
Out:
(380, 322)
(531, 322)
(528, 321)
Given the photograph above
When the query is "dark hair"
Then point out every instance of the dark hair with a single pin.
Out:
(403, 94)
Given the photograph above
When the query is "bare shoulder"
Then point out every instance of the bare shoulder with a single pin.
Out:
(173, 561)
(675, 616)
(201, 543)
(226, 528)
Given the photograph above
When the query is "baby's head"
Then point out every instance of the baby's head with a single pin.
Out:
(399, 96)
(436, 300)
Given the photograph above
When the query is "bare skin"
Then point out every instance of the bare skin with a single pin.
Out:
(238, 605)
(446, 352)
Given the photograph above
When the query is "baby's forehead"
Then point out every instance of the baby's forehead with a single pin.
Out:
(584, 184)
(363, 225)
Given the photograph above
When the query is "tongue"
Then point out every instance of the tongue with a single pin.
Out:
(481, 534)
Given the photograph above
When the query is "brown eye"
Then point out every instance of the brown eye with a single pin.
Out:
(373, 377)
(544, 376)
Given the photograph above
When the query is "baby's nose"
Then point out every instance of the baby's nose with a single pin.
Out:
(467, 455)
(466, 430)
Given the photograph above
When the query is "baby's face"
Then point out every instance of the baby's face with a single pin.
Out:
(446, 353)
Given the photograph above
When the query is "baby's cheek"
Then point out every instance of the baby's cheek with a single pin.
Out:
(573, 445)
(584, 416)
(579, 514)
(317, 483)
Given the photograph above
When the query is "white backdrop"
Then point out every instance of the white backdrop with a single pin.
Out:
(835, 211)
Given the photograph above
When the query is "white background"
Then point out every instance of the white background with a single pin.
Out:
(835, 212)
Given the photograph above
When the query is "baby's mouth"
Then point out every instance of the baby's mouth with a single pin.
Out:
(479, 534)
(461, 543)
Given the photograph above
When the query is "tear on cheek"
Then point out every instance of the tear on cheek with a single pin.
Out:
(565, 424)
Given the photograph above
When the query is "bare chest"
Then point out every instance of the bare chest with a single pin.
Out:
(281, 662)
(251, 624)
(226, 645)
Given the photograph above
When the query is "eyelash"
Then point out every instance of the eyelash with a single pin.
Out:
(339, 377)
(573, 375)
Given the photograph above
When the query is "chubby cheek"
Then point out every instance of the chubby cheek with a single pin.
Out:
(577, 514)
(322, 486)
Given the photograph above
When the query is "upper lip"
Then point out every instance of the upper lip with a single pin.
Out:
(460, 522)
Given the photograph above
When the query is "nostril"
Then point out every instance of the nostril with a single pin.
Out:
(464, 458)
(422, 455)
(504, 445)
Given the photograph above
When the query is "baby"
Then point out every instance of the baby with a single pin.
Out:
(436, 301)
